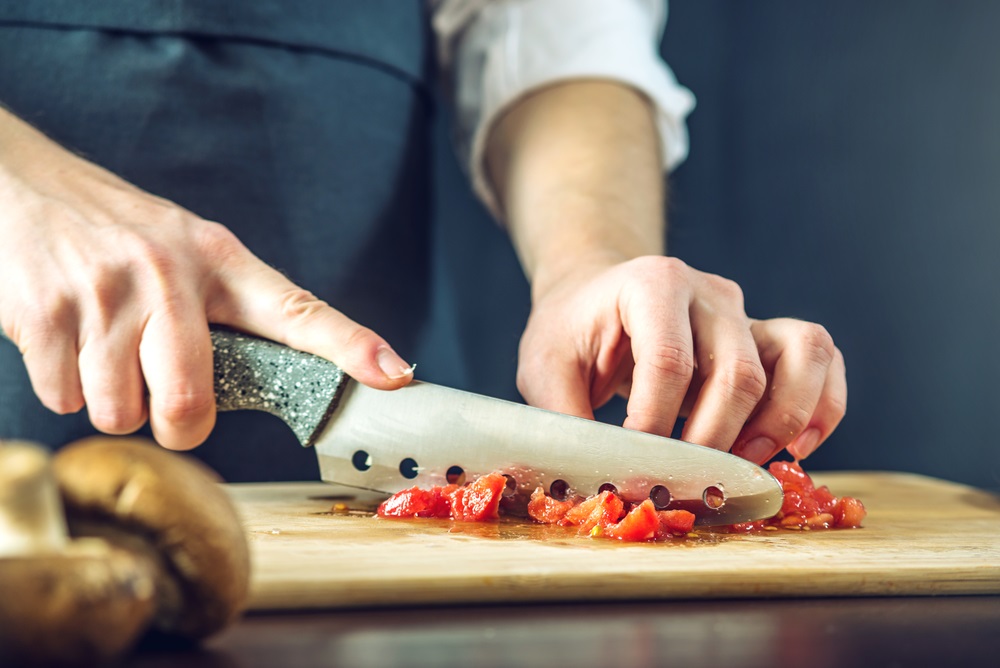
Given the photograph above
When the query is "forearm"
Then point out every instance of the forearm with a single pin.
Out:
(576, 167)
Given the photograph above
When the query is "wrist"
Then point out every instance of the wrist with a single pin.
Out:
(22, 147)
(549, 277)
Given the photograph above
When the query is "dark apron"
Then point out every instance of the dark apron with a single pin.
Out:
(302, 126)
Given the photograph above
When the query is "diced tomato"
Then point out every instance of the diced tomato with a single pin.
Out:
(416, 502)
(825, 499)
(798, 504)
(641, 523)
(805, 505)
(479, 500)
(597, 511)
(848, 513)
(543, 508)
(676, 521)
(790, 473)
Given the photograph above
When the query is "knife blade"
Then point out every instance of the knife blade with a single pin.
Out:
(425, 434)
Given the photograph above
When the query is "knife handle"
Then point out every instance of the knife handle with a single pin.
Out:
(256, 374)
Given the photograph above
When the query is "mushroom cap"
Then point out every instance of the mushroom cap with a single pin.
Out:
(31, 515)
(83, 606)
(135, 494)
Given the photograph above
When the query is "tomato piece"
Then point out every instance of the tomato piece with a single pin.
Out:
(806, 506)
(639, 524)
(825, 499)
(415, 502)
(791, 475)
(798, 504)
(849, 513)
(478, 501)
(543, 508)
(675, 521)
(597, 511)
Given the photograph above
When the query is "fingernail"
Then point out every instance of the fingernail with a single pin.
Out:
(805, 443)
(392, 365)
(757, 450)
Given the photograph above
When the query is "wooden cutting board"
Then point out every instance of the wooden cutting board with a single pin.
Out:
(922, 536)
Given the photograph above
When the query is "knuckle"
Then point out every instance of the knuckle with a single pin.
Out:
(298, 304)
(218, 242)
(743, 380)
(664, 269)
(672, 360)
(42, 320)
(183, 407)
(728, 289)
(836, 405)
(818, 343)
(794, 419)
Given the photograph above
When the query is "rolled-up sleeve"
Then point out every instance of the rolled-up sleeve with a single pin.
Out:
(493, 52)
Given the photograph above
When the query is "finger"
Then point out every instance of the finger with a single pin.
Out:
(829, 411)
(800, 355)
(734, 379)
(55, 376)
(176, 357)
(663, 352)
(559, 385)
(263, 302)
(111, 381)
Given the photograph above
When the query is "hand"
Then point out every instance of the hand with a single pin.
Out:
(108, 291)
(676, 342)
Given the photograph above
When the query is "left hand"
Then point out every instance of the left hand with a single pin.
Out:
(677, 343)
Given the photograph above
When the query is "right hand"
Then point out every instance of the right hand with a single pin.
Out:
(108, 292)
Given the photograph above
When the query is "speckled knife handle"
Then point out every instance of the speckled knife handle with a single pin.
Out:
(256, 374)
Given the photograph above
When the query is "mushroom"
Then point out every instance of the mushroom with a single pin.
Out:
(160, 518)
(62, 601)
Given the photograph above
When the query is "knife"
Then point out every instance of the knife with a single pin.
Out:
(424, 434)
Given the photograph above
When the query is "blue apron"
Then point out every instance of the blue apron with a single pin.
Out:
(302, 126)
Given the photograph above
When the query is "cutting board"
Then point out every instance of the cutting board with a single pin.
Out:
(921, 536)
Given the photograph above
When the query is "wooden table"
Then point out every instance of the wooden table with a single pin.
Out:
(855, 599)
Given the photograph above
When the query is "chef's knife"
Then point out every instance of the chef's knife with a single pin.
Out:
(425, 434)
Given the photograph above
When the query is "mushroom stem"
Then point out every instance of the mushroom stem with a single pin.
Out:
(31, 513)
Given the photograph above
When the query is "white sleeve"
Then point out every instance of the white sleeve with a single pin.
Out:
(492, 52)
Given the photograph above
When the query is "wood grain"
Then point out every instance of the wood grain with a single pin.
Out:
(922, 536)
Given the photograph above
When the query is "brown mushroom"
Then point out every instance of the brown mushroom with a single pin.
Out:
(156, 541)
(170, 509)
(79, 602)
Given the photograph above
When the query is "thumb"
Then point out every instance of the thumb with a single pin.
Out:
(261, 301)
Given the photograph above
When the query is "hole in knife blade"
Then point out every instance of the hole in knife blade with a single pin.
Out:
(559, 490)
(660, 496)
(362, 460)
(608, 487)
(510, 487)
(408, 468)
(714, 497)
(455, 475)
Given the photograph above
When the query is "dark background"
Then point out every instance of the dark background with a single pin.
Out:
(844, 169)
